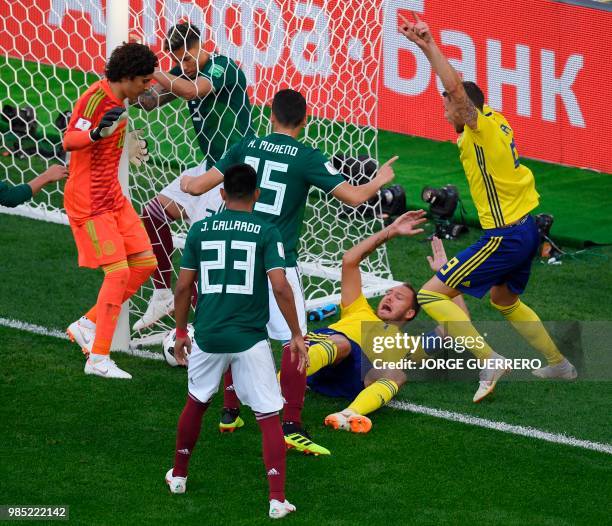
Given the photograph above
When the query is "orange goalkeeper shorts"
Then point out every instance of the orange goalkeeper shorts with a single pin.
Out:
(109, 237)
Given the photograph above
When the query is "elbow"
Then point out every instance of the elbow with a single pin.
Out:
(190, 94)
(348, 260)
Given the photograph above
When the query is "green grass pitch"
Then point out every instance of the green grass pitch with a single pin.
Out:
(103, 447)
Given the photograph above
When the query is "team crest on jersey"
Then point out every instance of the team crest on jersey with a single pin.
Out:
(217, 70)
(83, 124)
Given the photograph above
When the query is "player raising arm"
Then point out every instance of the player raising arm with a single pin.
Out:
(215, 90)
(12, 196)
(286, 170)
(107, 230)
(504, 193)
(233, 254)
(338, 358)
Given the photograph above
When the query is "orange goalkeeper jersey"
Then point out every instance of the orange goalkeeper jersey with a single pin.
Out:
(93, 174)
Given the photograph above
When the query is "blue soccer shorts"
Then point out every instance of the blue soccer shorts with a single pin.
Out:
(501, 256)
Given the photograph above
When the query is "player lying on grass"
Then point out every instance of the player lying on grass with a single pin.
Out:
(233, 255)
(286, 169)
(215, 90)
(13, 196)
(504, 193)
(106, 228)
(337, 359)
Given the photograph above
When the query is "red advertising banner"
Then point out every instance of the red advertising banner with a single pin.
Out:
(545, 65)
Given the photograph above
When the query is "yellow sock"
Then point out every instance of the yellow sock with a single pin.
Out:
(529, 326)
(374, 396)
(442, 309)
(321, 352)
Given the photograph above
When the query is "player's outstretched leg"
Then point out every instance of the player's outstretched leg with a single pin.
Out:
(441, 308)
(293, 387)
(373, 397)
(188, 431)
(530, 327)
(108, 307)
(230, 414)
(157, 223)
(274, 452)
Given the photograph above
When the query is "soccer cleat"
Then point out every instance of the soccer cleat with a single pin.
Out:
(489, 378)
(176, 485)
(105, 368)
(230, 420)
(160, 305)
(349, 422)
(279, 509)
(562, 371)
(296, 437)
(83, 333)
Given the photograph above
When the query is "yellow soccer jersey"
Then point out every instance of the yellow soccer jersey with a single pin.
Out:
(502, 189)
(351, 317)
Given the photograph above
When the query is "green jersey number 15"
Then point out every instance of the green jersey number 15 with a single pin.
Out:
(268, 184)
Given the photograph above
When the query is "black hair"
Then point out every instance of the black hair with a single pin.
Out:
(474, 93)
(182, 35)
(415, 304)
(240, 181)
(289, 108)
(130, 60)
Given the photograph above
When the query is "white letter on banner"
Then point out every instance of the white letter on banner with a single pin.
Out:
(92, 7)
(519, 77)
(393, 43)
(318, 37)
(248, 54)
(562, 86)
(466, 65)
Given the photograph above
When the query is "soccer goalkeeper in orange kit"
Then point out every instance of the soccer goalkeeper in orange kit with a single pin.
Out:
(107, 230)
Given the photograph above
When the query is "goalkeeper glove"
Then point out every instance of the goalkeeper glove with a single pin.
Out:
(138, 149)
(109, 123)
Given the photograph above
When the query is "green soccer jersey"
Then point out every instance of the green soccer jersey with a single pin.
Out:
(223, 117)
(232, 251)
(286, 169)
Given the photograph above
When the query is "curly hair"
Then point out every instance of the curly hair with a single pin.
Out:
(130, 60)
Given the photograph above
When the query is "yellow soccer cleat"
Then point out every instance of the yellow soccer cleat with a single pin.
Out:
(230, 420)
(296, 437)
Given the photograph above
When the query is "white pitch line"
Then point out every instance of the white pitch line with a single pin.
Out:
(44, 331)
(529, 432)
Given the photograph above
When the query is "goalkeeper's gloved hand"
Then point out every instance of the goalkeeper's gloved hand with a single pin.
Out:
(109, 123)
(138, 149)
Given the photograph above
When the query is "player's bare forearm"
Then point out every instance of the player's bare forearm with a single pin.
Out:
(203, 183)
(154, 98)
(182, 297)
(184, 88)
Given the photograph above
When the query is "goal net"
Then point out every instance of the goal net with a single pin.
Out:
(329, 51)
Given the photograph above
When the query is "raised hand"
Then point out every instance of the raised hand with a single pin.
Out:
(138, 148)
(417, 32)
(405, 224)
(55, 172)
(439, 259)
(385, 173)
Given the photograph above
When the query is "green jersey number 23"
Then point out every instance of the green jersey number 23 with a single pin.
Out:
(245, 265)
(267, 184)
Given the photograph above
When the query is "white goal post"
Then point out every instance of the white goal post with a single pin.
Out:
(329, 51)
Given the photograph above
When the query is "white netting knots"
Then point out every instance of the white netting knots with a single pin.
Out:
(327, 50)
